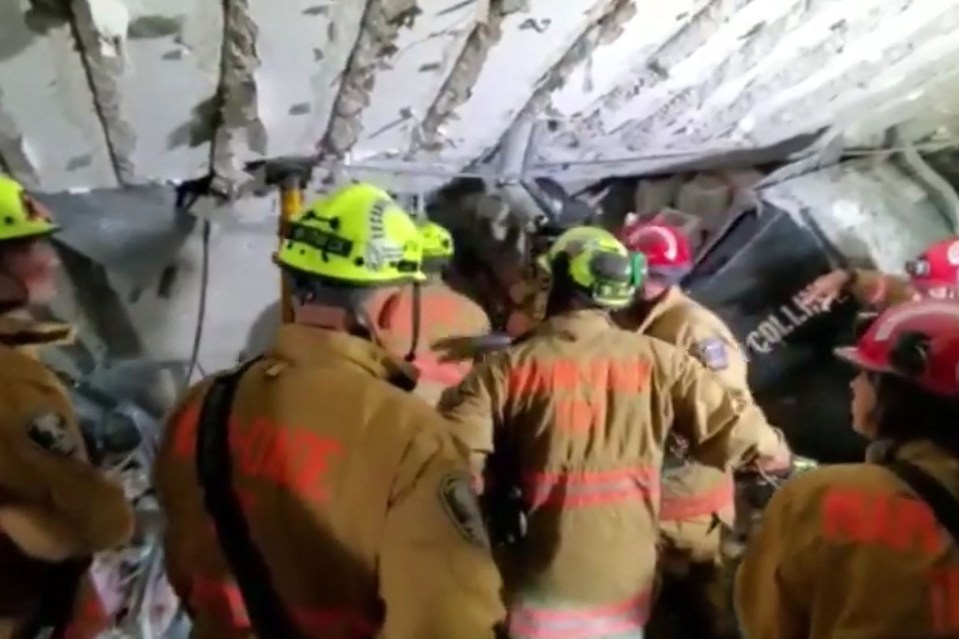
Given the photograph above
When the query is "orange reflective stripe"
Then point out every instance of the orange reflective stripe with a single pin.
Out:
(874, 518)
(224, 602)
(674, 507)
(571, 375)
(442, 373)
(90, 620)
(944, 600)
(571, 490)
(554, 622)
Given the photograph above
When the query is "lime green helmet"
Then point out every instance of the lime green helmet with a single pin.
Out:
(599, 265)
(21, 216)
(437, 241)
(357, 236)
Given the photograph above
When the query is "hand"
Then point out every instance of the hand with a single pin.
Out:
(826, 289)
(780, 463)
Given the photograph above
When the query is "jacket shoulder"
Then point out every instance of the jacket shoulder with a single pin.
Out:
(806, 492)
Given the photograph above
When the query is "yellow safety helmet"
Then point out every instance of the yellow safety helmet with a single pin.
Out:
(21, 216)
(437, 241)
(598, 264)
(358, 235)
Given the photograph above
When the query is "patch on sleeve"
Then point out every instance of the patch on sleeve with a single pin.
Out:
(49, 431)
(463, 509)
(712, 353)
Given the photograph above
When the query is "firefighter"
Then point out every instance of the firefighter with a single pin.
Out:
(574, 417)
(527, 294)
(56, 510)
(437, 337)
(695, 498)
(358, 498)
(934, 273)
(870, 549)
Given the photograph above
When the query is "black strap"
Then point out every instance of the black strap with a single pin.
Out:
(214, 467)
(57, 601)
(417, 320)
(943, 504)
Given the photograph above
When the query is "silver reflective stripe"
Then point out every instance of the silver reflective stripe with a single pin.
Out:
(591, 488)
(624, 620)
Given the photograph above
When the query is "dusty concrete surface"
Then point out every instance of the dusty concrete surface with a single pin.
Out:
(127, 91)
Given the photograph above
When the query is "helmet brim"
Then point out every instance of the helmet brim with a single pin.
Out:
(852, 355)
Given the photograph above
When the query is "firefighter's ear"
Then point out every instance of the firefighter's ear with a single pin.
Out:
(910, 354)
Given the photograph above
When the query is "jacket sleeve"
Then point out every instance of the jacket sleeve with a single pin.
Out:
(437, 577)
(773, 592)
(879, 290)
(475, 407)
(724, 429)
(719, 352)
(53, 503)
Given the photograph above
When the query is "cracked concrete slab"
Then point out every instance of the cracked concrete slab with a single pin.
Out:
(412, 91)
(239, 129)
(819, 36)
(157, 91)
(375, 46)
(610, 65)
(50, 126)
(532, 43)
(101, 27)
(902, 77)
(304, 47)
(409, 81)
(608, 28)
(921, 25)
(697, 67)
(587, 132)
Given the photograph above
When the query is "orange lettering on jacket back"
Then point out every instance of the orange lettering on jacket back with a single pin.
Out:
(874, 518)
(571, 376)
(578, 389)
(944, 600)
(292, 458)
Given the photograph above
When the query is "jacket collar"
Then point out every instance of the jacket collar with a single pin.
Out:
(915, 451)
(308, 346)
(22, 332)
(576, 323)
(634, 319)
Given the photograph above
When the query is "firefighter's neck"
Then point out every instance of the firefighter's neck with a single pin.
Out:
(317, 316)
(652, 292)
(647, 297)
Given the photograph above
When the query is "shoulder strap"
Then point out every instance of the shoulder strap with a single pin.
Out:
(57, 598)
(214, 466)
(943, 504)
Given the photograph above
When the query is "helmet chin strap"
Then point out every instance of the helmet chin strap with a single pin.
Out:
(417, 316)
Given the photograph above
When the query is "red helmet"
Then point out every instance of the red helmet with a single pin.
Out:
(918, 341)
(665, 246)
(937, 266)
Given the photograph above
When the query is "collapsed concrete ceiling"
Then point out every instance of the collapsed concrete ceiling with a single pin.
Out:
(106, 93)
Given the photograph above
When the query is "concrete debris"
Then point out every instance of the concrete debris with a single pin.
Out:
(238, 114)
(508, 7)
(691, 35)
(382, 22)
(606, 29)
(463, 76)
(111, 20)
(101, 28)
(14, 152)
